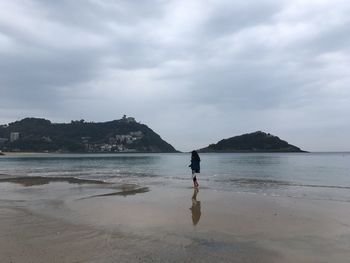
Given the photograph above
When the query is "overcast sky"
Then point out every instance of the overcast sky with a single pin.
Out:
(194, 71)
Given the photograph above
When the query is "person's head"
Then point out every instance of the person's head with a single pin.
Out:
(195, 155)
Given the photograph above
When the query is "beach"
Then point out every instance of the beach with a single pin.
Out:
(158, 226)
(73, 219)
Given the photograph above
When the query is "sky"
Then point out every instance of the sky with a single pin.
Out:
(195, 71)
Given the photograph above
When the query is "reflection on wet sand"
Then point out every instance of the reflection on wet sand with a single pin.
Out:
(196, 208)
(41, 180)
(125, 192)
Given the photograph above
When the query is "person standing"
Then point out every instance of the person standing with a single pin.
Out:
(195, 167)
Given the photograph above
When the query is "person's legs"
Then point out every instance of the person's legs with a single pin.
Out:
(195, 182)
(194, 179)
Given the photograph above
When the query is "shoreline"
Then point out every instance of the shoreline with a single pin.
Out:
(82, 153)
(21, 154)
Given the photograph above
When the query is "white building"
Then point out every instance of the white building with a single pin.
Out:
(14, 136)
(128, 119)
(137, 134)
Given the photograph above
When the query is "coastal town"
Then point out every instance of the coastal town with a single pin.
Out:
(129, 140)
(116, 143)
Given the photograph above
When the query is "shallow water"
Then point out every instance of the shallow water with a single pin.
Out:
(324, 176)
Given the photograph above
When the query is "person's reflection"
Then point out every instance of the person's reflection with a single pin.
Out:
(196, 208)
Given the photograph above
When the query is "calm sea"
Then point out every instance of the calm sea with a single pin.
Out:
(321, 176)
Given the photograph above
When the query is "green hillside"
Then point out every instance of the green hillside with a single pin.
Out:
(124, 135)
(252, 142)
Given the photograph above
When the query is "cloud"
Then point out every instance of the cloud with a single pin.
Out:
(195, 71)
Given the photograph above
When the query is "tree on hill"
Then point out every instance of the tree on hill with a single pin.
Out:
(80, 136)
(252, 142)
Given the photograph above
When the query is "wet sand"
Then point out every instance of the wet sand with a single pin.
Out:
(82, 222)
(40, 180)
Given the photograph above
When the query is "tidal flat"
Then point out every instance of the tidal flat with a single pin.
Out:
(142, 208)
(63, 222)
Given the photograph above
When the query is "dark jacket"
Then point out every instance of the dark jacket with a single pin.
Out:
(195, 166)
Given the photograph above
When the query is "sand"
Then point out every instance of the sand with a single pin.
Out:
(63, 221)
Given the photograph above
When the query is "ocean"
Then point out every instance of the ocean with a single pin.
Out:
(318, 176)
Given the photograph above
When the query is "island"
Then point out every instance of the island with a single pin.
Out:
(41, 135)
(252, 142)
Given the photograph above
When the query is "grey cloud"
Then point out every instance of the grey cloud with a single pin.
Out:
(232, 17)
(36, 78)
(333, 39)
(94, 13)
(240, 66)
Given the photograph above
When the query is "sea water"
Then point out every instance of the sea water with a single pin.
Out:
(321, 176)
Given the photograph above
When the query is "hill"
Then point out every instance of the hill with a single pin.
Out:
(124, 135)
(252, 142)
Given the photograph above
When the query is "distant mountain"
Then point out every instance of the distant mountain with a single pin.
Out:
(252, 142)
(124, 135)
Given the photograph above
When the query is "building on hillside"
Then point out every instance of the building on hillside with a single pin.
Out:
(137, 134)
(14, 136)
(128, 119)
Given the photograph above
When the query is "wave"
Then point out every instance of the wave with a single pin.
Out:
(277, 183)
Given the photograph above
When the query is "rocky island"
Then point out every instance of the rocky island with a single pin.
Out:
(40, 135)
(252, 142)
